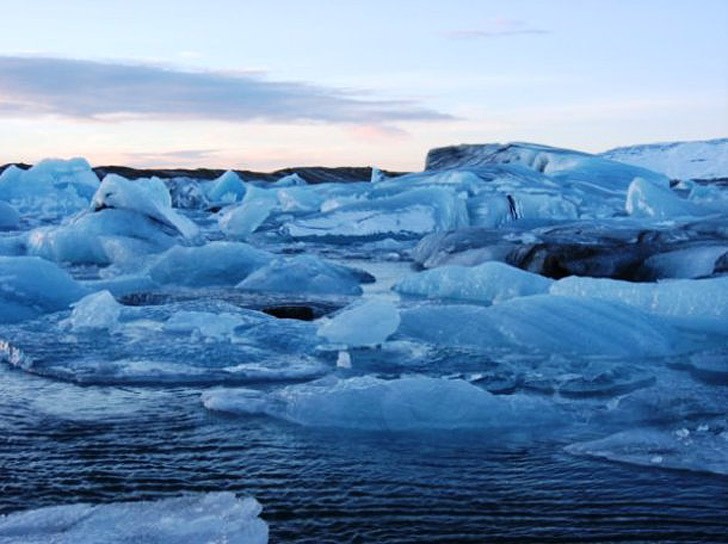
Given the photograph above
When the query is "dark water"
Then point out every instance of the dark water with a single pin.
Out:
(61, 444)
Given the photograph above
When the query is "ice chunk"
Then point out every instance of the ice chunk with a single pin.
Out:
(303, 274)
(490, 282)
(148, 197)
(215, 263)
(52, 188)
(30, 286)
(241, 221)
(365, 324)
(205, 324)
(405, 215)
(546, 324)
(691, 262)
(226, 189)
(645, 199)
(686, 298)
(209, 517)
(405, 404)
(96, 311)
(100, 238)
(698, 449)
(291, 180)
(9, 217)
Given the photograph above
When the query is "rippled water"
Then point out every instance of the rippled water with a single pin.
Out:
(61, 443)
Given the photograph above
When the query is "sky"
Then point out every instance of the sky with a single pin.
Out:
(263, 85)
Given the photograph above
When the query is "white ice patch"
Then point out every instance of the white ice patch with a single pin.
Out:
(197, 518)
(405, 404)
(645, 199)
(490, 282)
(366, 324)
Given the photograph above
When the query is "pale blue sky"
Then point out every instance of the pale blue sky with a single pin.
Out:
(263, 85)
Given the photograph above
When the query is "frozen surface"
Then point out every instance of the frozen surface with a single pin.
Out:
(30, 286)
(363, 324)
(410, 403)
(211, 517)
(490, 282)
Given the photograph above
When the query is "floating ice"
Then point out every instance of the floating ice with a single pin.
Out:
(242, 220)
(52, 188)
(96, 311)
(101, 238)
(303, 274)
(691, 262)
(30, 286)
(687, 298)
(215, 263)
(645, 199)
(544, 323)
(405, 404)
(148, 197)
(195, 518)
(700, 449)
(411, 213)
(9, 217)
(226, 189)
(490, 282)
(365, 324)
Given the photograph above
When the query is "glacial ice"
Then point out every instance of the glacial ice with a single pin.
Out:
(226, 189)
(30, 286)
(703, 298)
(51, 189)
(240, 221)
(362, 324)
(646, 199)
(404, 404)
(95, 311)
(544, 323)
(700, 448)
(490, 282)
(193, 518)
(215, 263)
(406, 215)
(303, 274)
(148, 197)
(9, 217)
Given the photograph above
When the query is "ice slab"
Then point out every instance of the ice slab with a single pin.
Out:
(240, 221)
(95, 311)
(645, 199)
(404, 404)
(215, 263)
(194, 518)
(490, 282)
(226, 189)
(411, 213)
(366, 324)
(9, 217)
(684, 298)
(546, 324)
(700, 448)
(148, 197)
(30, 286)
(303, 274)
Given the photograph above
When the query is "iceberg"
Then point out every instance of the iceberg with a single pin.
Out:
(703, 298)
(95, 311)
(9, 217)
(215, 263)
(545, 324)
(51, 189)
(366, 324)
(202, 517)
(148, 197)
(405, 404)
(30, 286)
(645, 199)
(304, 274)
(240, 221)
(226, 189)
(406, 215)
(490, 283)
